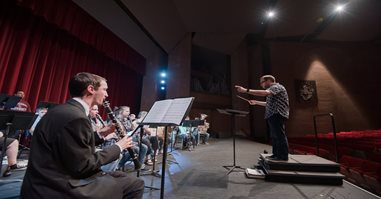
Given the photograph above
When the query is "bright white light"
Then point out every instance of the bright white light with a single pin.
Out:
(339, 8)
(270, 14)
(162, 82)
(162, 88)
(163, 74)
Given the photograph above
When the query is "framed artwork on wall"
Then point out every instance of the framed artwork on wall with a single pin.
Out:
(306, 92)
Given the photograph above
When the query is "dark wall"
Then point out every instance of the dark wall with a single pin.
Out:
(347, 78)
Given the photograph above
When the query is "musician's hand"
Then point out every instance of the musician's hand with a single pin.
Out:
(125, 142)
(107, 130)
(111, 136)
(132, 116)
(253, 102)
(240, 89)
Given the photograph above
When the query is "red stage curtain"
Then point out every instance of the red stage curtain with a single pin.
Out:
(70, 17)
(40, 58)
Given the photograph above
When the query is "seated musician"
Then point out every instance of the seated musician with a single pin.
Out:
(40, 113)
(12, 148)
(63, 162)
(22, 105)
(203, 129)
(146, 136)
(123, 115)
(103, 134)
(185, 134)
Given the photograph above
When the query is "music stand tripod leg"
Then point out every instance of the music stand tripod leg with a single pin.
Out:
(234, 166)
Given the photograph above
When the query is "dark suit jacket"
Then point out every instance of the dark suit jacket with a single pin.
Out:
(63, 162)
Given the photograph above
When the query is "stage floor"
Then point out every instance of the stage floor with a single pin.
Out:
(200, 174)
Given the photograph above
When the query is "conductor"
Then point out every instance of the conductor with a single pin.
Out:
(276, 114)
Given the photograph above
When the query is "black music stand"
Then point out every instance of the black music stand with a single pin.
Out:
(166, 113)
(11, 121)
(138, 171)
(11, 102)
(154, 172)
(3, 98)
(47, 105)
(233, 114)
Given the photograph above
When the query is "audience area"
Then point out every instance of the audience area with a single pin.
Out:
(359, 154)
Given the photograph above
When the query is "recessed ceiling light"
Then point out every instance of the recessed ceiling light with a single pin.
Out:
(270, 14)
(339, 8)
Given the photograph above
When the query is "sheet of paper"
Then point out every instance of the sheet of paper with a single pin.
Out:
(177, 110)
(157, 112)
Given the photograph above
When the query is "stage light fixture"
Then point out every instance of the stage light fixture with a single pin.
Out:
(163, 74)
(162, 81)
(339, 8)
(270, 14)
(162, 88)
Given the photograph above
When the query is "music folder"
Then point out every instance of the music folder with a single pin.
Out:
(47, 105)
(3, 98)
(11, 102)
(193, 123)
(168, 112)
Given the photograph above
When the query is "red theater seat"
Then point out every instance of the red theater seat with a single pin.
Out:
(373, 180)
(355, 173)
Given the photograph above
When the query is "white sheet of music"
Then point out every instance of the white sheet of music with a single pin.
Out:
(157, 112)
(169, 111)
(177, 110)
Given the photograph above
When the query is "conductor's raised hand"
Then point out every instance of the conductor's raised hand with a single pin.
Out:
(240, 89)
(125, 142)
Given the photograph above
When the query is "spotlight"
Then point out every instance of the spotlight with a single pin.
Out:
(162, 88)
(270, 14)
(162, 81)
(163, 74)
(339, 8)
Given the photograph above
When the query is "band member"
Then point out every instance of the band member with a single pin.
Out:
(203, 129)
(124, 116)
(104, 136)
(63, 162)
(12, 148)
(276, 114)
(40, 113)
(22, 105)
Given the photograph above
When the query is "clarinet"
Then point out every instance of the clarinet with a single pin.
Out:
(121, 133)
(100, 120)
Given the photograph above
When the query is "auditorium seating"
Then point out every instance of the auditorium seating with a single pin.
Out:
(359, 153)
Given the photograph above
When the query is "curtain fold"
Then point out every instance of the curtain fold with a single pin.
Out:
(39, 58)
(73, 19)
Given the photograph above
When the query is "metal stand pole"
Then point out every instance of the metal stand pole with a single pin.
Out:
(234, 166)
(165, 147)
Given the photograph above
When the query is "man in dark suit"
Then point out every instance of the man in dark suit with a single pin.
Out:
(63, 162)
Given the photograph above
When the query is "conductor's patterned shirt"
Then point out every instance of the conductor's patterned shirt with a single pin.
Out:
(277, 102)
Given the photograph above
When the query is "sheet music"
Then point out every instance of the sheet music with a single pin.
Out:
(177, 110)
(157, 112)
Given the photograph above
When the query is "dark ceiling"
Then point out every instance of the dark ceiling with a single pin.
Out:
(222, 24)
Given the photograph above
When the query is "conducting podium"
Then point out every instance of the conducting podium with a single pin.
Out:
(170, 112)
(233, 113)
